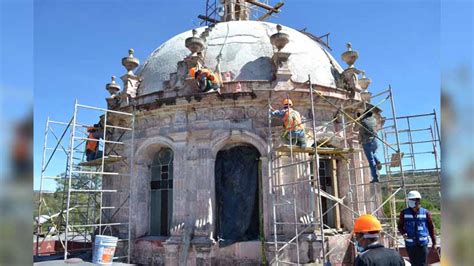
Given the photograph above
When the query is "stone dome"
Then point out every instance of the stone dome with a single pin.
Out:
(246, 53)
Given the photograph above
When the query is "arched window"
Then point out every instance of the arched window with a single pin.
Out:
(161, 192)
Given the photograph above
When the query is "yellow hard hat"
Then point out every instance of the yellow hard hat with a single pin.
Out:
(287, 101)
(367, 223)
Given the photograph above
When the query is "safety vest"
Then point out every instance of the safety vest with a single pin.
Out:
(292, 120)
(91, 145)
(416, 228)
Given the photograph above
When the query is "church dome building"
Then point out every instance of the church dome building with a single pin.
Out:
(213, 182)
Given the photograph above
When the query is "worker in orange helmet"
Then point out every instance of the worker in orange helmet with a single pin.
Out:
(367, 232)
(206, 79)
(294, 130)
(92, 143)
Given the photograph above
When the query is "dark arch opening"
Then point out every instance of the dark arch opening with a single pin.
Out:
(237, 177)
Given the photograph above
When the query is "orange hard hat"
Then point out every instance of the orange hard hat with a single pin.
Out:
(367, 223)
(287, 101)
(192, 71)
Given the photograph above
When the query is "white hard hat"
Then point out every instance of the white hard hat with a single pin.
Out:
(414, 195)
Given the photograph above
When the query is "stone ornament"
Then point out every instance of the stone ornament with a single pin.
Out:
(113, 88)
(252, 112)
(194, 44)
(192, 116)
(364, 82)
(350, 56)
(130, 80)
(130, 62)
(279, 39)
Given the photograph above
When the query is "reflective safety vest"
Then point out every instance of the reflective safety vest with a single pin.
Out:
(91, 145)
(292, 120)
(416, 228)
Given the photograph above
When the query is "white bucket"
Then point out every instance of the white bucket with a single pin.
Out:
(104, 249)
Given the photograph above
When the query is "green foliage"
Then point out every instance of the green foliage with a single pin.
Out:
(86, 204)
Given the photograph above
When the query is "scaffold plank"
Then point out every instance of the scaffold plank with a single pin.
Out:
(108, 159)
(310, 150)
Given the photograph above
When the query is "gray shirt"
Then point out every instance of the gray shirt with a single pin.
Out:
(368, 132)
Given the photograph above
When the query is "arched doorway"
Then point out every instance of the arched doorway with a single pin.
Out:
(237, 177)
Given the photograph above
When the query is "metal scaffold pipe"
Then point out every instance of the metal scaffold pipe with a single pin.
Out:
(316, 170)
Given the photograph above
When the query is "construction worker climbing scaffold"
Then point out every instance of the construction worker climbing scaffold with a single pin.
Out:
(368, 139)
(294, 131)
(92, 144)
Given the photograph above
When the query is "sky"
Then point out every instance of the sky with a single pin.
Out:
(79, 44)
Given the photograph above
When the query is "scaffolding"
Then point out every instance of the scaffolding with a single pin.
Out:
(258, 10)
(308, 218)
(420, 146)
(90, 205)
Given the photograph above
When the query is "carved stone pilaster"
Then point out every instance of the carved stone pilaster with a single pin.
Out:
(130, 84)
(351, 81)
(280, 61)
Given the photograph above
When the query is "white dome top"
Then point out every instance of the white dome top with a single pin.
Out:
(246, 52)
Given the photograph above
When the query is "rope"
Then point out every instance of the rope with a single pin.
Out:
(219, 56)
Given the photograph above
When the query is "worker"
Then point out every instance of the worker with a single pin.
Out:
(206, 79)
(92, 143)
(415, 224)
(367, 233)
(368, 139)
(294, 131)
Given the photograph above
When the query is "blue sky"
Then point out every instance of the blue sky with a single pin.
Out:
(78, 45)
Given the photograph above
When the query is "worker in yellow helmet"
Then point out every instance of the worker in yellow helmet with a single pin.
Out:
(207, 80)
(292, 124)
(367, 232)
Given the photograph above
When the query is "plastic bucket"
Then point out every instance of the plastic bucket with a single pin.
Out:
(104, 249)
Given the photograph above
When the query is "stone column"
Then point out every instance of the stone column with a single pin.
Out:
(343, 173)
(336, 193)
(266, 198)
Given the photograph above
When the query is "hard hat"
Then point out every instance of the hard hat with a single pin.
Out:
(414, 195)
(192, 71)
(367, 223)
(287, 101)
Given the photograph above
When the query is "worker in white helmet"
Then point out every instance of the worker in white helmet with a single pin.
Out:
(415, 224)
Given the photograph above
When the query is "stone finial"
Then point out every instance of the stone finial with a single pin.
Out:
(279, 39)
(350, 56)
(113, 88)
(194, 44)
(279, 28)
(130, 62)
(364, 82)
(349, 46)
